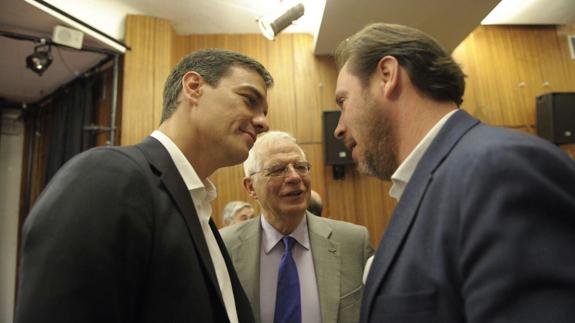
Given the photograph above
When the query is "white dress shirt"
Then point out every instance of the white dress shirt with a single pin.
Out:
(404, 172)
(270, 256)
(202, 194)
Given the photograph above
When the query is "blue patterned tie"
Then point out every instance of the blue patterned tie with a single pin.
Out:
(288, 304)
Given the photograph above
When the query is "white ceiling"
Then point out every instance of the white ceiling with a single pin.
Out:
(331, 21)
(19, 84)
(437, 18)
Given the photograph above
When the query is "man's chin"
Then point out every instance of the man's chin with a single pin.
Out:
(237, 157)
(364, 169)
(294, 211)
(380, 165)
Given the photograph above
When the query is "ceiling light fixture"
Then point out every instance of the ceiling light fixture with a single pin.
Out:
(271, 26)
(39, 61)
(79, 25)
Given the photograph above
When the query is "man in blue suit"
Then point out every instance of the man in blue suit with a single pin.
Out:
(484, 230)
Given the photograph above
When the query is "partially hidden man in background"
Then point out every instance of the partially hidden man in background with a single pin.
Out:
(124, 234)
(294, 266)
(236, 212)
(484, 228)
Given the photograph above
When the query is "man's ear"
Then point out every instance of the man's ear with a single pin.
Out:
(192, 83)
(388, 76)
(249, 186)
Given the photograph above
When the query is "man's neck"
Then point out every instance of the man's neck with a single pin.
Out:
(419, 116)
(285, 224)
(184, 138)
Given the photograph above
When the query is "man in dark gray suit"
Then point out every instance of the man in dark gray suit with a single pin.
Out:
(484, 227)
(124, 234)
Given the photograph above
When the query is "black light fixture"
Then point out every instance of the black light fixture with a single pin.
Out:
(39, 61)
(272, 26)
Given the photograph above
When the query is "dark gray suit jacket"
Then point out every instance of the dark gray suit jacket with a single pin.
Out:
(484, 232)
(115, 237)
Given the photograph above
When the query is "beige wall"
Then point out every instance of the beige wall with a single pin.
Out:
(11, 151)
(506, 67)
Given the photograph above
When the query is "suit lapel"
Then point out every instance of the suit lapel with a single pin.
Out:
(246, 259)
(326, 258)
(406, 210)
(242, 302)
(160, 159)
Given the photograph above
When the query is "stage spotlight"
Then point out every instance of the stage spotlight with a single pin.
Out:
(39, 61)
(272, 26)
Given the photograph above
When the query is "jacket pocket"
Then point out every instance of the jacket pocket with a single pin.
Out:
(351, 298)
(349, 305)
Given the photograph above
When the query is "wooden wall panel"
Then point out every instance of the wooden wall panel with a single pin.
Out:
(340, 202)
(306, 81)
(468, 64)
(373, 204)
(314, 154)
(164, 37)
(566, 61)
(181, 47)
(327, 73)
(282, 113)
(507, 67)
(137, 114)
(146, 67)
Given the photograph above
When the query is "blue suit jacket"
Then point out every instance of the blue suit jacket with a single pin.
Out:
(484, 232)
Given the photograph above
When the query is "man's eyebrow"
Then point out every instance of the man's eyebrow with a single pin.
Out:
(251, 89)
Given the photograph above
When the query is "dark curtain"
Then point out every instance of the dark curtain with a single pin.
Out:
(74, 108)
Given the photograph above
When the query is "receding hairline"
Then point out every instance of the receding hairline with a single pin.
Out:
(262, 147)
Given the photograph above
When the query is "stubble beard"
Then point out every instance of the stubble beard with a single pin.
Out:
(380, 148)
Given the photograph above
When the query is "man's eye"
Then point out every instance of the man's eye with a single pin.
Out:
(250, 100)
(300, 168)
(276, 170)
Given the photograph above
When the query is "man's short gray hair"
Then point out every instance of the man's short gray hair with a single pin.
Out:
(269, 139)
(232, 208)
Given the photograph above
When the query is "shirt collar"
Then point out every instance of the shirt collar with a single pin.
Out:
(271, 236)
(403, 174)
(206, 188)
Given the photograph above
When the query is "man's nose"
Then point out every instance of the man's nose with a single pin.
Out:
(291, 174)
(261, 123)
(339, 130)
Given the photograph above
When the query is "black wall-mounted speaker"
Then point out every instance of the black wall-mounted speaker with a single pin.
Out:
(556, 117)
(335, 152)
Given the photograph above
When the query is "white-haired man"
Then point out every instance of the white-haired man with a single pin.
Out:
(315, 274)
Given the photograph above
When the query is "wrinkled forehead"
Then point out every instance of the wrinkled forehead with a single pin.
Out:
(282, 152)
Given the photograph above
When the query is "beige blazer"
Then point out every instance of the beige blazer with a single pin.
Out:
(339, 250)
